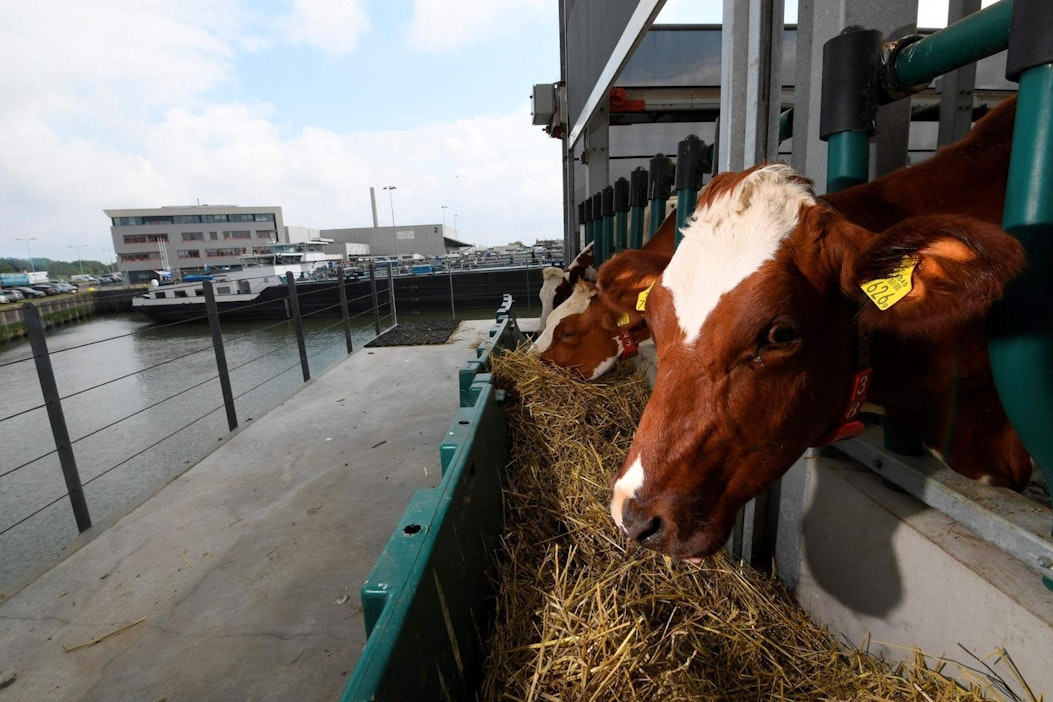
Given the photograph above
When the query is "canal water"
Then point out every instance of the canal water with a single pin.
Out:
(142, 404)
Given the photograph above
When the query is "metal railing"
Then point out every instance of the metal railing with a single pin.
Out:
(312, 345)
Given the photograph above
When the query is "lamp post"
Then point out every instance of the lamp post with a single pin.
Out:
(32, 268)
(110, 263)
(80, 260)
(391, 202)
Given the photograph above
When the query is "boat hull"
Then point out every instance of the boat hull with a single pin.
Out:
(472, 290)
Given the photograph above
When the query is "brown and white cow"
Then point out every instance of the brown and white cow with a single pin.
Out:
(757, 318)
(968, 177)
(587, 335)
(559, 284)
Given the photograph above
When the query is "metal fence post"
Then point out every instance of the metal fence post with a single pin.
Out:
(38, 343)
(373, 295)
(391, 293)
(343, 308)
(221, 356)
(294, 305)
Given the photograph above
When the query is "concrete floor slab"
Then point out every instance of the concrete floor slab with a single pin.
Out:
(239, 580)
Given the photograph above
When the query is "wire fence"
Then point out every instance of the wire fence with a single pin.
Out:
(143, 404)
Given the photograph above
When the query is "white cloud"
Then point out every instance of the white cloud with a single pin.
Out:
(445, 25)
(334, 26)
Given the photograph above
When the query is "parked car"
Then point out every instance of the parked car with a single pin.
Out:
(46, 288)
(4, 299)
(13, 294)
(63, 286)
(30, 293)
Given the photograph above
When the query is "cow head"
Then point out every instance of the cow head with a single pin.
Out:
(558, 284)
(586, 335)
(754, 319)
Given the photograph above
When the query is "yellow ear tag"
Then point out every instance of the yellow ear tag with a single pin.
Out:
(623, 321)
(641, 300)
(886, 292)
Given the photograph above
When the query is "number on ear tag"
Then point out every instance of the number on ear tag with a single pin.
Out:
(623, 321)
(885, 292)
(641, 299)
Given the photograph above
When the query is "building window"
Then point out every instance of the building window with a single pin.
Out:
(239, 218)
(269, 235)
(189, 253)
(158, 219)
(129, 257)
(127, 221)
(241, 234)
(144, 238)
(224, 252)
(186, 219)
(214, 236)
(215, 218)
(263, 217)
(193, 236)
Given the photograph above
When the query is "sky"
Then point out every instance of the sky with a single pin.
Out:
(304, 104)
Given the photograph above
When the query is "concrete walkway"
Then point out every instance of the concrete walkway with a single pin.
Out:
(239, 580)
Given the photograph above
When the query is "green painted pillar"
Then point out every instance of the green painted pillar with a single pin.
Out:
(637, 204)
(621, 214)
(690, 155)
(607, 228)
(1021, 345)
(659, 187)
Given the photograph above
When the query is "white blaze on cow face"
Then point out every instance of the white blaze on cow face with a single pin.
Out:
(577, 303)
(729, 238)
(625, 489)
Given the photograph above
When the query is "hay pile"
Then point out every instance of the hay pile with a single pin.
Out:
(584, 616)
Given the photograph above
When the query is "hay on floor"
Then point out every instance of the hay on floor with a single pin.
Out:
(583, 615)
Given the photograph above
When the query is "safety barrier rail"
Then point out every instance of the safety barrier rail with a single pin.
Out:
(426, 603)
(162, 414)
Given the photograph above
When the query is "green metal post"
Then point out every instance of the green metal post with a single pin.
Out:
(1021, 346)
(847, 160)
(689, 158)
(981, 34)
(637, 203)
(606, 197)
(621, 214)
(659, 187)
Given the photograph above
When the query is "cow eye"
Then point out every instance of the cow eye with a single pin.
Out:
(567, 334)
(783, 332)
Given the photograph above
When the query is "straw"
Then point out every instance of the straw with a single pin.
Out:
(584, 615)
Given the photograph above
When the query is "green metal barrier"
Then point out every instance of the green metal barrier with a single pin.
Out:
(428, 604)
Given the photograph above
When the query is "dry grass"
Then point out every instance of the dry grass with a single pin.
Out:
(584, 616)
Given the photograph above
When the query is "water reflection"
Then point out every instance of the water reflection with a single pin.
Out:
(142, 404)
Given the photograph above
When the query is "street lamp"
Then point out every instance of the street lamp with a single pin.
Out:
(32, 268)
(391, 202)
(80, 260)
(110, 263)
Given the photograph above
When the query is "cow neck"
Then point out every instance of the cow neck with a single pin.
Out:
(625, 334)
(848, 424)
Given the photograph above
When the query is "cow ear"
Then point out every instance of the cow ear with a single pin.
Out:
(931, 273)
(624, 277)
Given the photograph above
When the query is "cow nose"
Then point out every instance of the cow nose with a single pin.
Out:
(640, 524)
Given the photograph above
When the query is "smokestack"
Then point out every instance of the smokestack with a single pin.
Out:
(373, 201)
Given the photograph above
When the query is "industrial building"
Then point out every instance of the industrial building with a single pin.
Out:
(161, 242)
